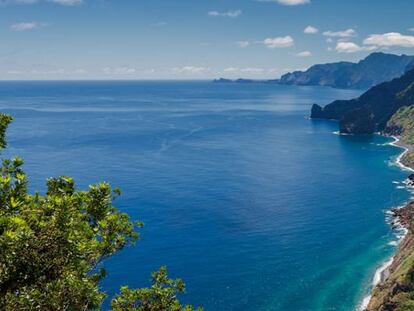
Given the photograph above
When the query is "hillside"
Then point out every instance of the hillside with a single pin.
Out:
(374, 69)
(396, 292)
(372, 110)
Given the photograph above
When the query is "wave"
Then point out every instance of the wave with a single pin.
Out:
(398, 161)
(400, 231)
(342, 134)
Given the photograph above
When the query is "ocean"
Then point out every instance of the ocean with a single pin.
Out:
(254, 205)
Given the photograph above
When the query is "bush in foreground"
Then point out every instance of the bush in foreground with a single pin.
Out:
(51, 246)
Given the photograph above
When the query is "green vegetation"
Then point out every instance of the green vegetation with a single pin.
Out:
(52, 246)
(375, 107)
(402, 123)
(397, 292)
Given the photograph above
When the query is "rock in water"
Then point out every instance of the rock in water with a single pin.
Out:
(317, 112)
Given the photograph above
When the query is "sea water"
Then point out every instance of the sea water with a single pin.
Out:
(254, 205)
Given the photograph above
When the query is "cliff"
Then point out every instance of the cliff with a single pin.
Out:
(372, 110)
(373, 70)
(396, 292)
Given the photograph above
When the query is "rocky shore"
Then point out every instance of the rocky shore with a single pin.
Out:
(395, 291)
(396, 288)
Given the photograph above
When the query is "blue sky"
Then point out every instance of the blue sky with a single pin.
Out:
(193, 39)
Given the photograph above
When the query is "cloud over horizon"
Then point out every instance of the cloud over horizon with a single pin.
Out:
(310, 30)
(351, 47)
(25, 26)
(348, 33)
(304, 54)
(279, 42)
(390, 39)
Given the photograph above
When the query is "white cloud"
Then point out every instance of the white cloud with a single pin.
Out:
(231, 14)
(119, 71)
(231, 69)
(341, 34)
(191, 70)
(304, 54)
(278, 42)
(390, 39)
(243, 44)
(351, 47)
(288, 2)
(347, 47)
(246, 70)
(25, 26)
(273, 70)
(311, 30)
(252, 70)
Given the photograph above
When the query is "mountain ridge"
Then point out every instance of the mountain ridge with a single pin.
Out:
(371, 111)
(376, 68)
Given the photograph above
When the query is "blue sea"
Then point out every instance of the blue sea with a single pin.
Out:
(254, 205)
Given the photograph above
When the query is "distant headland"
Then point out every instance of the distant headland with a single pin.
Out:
(374, 69)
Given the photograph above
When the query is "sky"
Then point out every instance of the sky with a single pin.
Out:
(194, 39)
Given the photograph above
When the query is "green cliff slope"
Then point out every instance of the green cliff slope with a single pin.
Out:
(373, 109)
(396, 292)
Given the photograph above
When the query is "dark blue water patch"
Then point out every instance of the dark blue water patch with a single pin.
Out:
(254, 205)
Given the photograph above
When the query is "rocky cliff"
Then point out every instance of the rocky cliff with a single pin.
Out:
(396, 292)
(372, 110)
(375, 69)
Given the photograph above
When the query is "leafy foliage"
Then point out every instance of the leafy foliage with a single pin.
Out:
(52, 245)
(161, 296)
(402, 123)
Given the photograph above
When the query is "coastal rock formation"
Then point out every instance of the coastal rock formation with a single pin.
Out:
(375, 69)
(410, 180)
(317, 112)
(396, 292)
(377, 106)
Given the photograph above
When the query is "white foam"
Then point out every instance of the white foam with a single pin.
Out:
(379, 276)
(343, 134)
(399, 158)
(364, 303)
(401, 232)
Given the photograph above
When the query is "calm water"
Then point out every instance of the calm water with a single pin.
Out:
(253, 205)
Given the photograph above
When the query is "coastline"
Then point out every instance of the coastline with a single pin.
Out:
(407, 148)
(383, 271)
